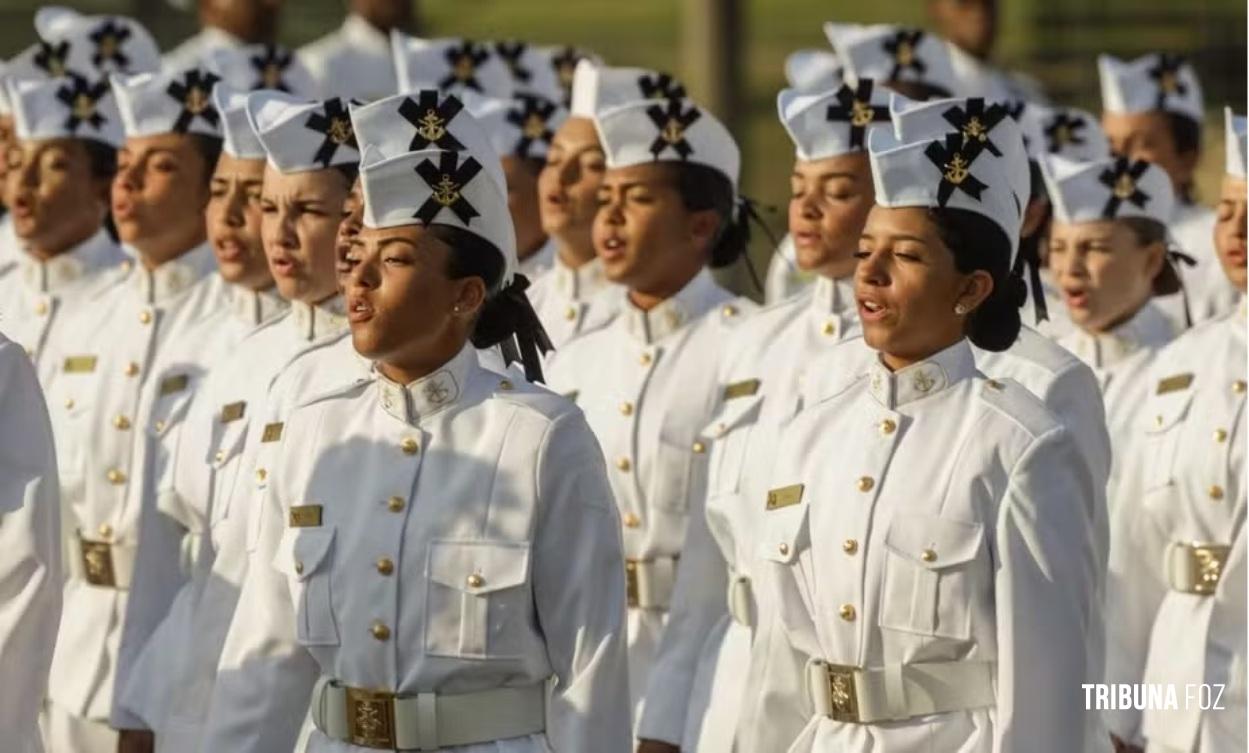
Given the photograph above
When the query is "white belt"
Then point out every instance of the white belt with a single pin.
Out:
(103, 563)
(649, 583)
(898, 691)
(426, 721)
(741, 600)
(1195, 568)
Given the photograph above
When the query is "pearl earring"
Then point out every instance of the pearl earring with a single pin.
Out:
(455, 309)
(960, 309)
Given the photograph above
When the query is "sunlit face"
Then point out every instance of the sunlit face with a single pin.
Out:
(1229, 231)
(54, 200)
(829, 202)
(159, 195)
(907, 287)
(568, 185)
(1104, 274)
(300, 216)
(233, 220)
(348, 229)
(1147, 136)
(522, 204)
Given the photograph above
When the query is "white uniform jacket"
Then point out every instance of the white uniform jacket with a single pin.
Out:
(784, 279)
(195, 49)
(1179, 610)
(699, 681)
(647, 384)
(954, 525)
(570, 301)
(450, 536)
(40, 296)
(9, 249)
(539, 262)
(30, 550)
(352, 62)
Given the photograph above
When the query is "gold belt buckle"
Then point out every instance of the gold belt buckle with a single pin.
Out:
(371, 718)
(1207, 566)
(97, 563)
(631, 583)
(843, 693)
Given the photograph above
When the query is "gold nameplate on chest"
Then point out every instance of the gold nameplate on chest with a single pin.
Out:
(174, 384)
(272, 432)
(744, 388)
(786, 496)
(80, 364)
(305, 516)
(1174, 383)
(232, 412)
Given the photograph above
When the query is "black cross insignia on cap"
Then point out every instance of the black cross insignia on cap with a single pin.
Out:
(855, 107)
(660, 86)
(672, 122)
(531, 119)
(565, 64)
(954, 159)
(194, 94)
(976, 123)
(109, 38)
(1166, 74)
(1064, 129)
(335, 125)
(81, 97)
(464, 60)
(51, 57)
(431, 120)
(447, 180)
(512, 52)
(270, 65)
(1121, 180)
(901, 47)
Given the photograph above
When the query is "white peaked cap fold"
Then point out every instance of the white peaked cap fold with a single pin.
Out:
(1158, 81)
(449, 63)
(813, 70)
(1064, 131)
(532, 69)
(885, 53)
(674, 130)
(239, 139)
(834, 122)
(177, 101)
(66, 107)
(1234, 133)
(520, 127)
(1107, 189)
(262, 66)
(564, 61)
(300, 136)
(602, 87)
(97, 46)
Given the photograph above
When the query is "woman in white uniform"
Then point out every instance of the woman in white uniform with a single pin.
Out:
(697, 686)
(939, 577)
(439, 544)
(1177, 570)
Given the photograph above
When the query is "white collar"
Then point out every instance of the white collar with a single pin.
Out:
(254, 307)
(364, 35)
(325, 318)
(695, 299)
(580, 283)
(1148, 328)
(539, 261)
(920, 380)
(832, 305)
(51, 276)
(429, 394)
(174, 276)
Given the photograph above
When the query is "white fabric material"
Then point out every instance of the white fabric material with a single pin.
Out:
(195, 50)
(30, 549)
(40, 110)
(504, 523)
(898, 692)
(533, 69)
(833, 121)
(601, 87)
(149, 108)
(813, 70)
(982, 78)
(1210, 295)
(99, 45)
(1150, 82)
(539, 262)
(1063, 131)
(451, 64)
(352, 62)
(885, 52)
(674, 130)
(255, 67)
(522, 126)
(1234, 143)
(300, 136)
(783, 278)
(238, 137)
(569, 301)
(1079, 192)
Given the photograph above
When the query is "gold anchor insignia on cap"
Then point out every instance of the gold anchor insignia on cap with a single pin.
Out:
(904, 55)
(1125, 187)
(84, 106)
(535, 126)
(860, 113)
(922, 381)
(1169, 82)
(1062, 135)
(673, 132)
(974, 129)
(957, 169)
(447, 192)
(340, 130)
(464, 67)
(431, 126)
(196, 100)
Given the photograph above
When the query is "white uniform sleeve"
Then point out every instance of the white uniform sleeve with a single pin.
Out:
(30, 549)
(1047, 575)
(579, 593)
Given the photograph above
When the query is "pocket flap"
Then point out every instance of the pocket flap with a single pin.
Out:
(732, 415)
(479, 567)
(169, 411)
(302, 551)
(229, 444)
(785, 533)
(933, 542)
(1165, 411)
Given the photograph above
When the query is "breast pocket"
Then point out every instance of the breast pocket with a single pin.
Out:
(1164, 426)
(929, 584)
(70, 399)
(226, 463)
(478, 604)
(729, 434)
(304, 557)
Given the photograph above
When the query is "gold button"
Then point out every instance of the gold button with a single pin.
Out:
(928, 555)
(506, 385)
(127, 265)
(1158, 420)
(849, 546)
(730, 311)
(299, 567)
(1220, 435)
(866, 483)
(783, 549)
(380, 631)
(994, 384)
(396, 504)
(385, 566)
(261, 475)
(106, 531)
(626, 408)
(159, 426)
(476, 581)
(721, 430)
(645, 359)
(1238, 386)
(409, 446)
(69, 404)
(219, 455)
(145, 317)
(699, 448)
(115, 477)
(624, 464)
(570, 313)
(1216, 492)
(847, 612)
(829, 328)
(888, 426)
(41, 308)
(631, 520)
(132, 369)
(121, 423)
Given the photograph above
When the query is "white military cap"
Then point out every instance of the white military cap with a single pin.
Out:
(1064, 131)
(65, 107)
(167, 102)
(926, 163)
(238, 137)
(422, 120)
(299, 135)
(1234, 136)
(1107, 189)
(565, 60)
(99, 45)
(262, 66)
(601, 87)
(440, 187)
(886, 53)
(813, 70)
(532, 68)
(1158, 81)
(831, 123)
(449, 63)
(522, 126)
(673, 130)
